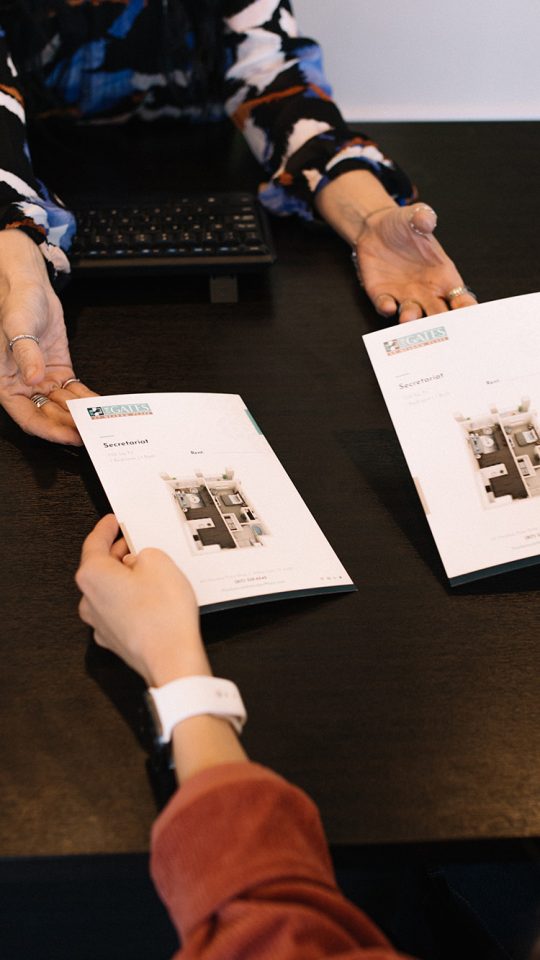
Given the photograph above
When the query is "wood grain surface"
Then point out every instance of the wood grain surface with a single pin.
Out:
(408, 710)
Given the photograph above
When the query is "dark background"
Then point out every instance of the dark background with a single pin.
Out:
(408, 710)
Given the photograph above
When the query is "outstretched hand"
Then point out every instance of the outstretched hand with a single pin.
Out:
(403, 268)
(29, 305)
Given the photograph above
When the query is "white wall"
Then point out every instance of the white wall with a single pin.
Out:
(427, 60)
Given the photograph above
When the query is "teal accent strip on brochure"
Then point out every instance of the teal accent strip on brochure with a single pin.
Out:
(254, 422)
(492, 571)
(270, 597)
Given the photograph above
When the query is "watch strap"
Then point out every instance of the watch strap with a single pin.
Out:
(192, 697)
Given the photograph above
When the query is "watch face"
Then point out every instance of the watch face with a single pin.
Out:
(153, 715)
(160, 764)
(150, 727)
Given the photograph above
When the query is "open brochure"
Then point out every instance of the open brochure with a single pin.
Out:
(192, 474)
(463, 391)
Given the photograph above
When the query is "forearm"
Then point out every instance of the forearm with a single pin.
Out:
(240, 858)
(283, 105)
(202, 742)
(197, 742)
(347, 201)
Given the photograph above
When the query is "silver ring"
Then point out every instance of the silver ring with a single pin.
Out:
(409, 300)
(22, 336)
(70, 380)
(39, 400)
(458, 292)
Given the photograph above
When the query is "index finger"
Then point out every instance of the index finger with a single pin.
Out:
(73, 391)
(80, 390)
(33, 421)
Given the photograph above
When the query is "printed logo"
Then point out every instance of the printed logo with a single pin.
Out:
(119, 410)
(422, 339)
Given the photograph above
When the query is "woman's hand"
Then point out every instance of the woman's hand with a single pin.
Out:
(141, 607)
(144, 610)
(403, 268)
(28, 305)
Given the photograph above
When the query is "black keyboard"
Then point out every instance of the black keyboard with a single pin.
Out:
(216, 234)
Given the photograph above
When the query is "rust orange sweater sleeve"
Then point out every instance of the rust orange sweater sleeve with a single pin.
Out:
(240, 859)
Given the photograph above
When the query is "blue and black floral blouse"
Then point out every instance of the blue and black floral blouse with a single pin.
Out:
(97, 58)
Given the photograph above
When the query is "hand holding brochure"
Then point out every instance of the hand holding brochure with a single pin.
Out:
(463, 391)
(191, 474)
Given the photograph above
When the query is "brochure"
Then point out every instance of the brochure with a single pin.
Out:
(192, 474)
(463, 391)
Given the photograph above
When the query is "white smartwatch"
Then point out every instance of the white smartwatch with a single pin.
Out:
(191, 697)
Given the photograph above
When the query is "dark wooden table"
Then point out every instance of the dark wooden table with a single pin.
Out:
(408, 710)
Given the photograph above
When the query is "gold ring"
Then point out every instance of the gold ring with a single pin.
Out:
(458, 292)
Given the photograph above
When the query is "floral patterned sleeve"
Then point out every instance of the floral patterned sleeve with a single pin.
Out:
(277, 94)
(101, 62)
(25, 202)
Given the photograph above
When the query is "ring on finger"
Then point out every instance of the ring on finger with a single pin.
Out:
(22, 336)
(68, 381)
(39, 400)
(414, 228)
(405, 303)
(459, 292)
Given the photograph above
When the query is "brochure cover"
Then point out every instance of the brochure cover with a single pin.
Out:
(192, 474)
(463, 391)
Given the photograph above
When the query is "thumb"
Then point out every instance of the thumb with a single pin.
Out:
(422, 219)
(100, 540)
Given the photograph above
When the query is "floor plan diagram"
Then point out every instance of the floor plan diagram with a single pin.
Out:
(216, 513)
(504, 447)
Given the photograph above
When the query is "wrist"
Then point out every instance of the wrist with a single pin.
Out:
(173, 663)
(167, 668)
(352, 202)
(22, 259)
(371, 220)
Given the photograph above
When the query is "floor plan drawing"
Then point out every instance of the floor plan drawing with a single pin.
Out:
(504, 447)
(216, 513)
